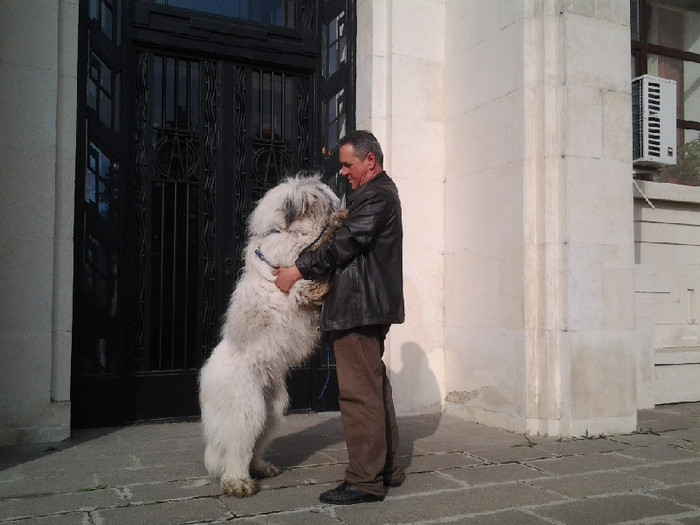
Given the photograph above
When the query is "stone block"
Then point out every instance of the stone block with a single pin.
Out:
(468, 23)
(490, 474)
(417, 147)
(415, 25)
(603, 376)
(676, 383)
(585, 463)
(584, 131)
(417, 88)
(587, 485)
(594, 65)
(613, 509)
(30, 33)
(617, 126)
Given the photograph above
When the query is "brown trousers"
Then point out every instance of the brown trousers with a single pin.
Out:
(367, 408)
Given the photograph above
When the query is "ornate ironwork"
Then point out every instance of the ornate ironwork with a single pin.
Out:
(271, 162)
(211, 139)
(307, 15)
(139, 226)
(176, 156)
(304, 120)
(240, 157)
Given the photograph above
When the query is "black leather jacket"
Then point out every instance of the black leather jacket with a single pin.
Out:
(363, 259)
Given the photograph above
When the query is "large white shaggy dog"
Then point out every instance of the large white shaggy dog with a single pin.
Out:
(242, 385)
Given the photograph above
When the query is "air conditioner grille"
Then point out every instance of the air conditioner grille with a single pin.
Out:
(654, 121)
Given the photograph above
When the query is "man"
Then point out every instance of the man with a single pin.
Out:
(364, 262)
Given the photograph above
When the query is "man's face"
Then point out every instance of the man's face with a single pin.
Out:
(352, 167)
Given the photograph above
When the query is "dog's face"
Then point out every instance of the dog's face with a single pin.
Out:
(300, 202)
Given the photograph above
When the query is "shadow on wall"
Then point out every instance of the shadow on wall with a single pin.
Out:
(415, 384)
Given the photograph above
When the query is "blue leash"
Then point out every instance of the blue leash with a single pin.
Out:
(260, 256)
(328, 368)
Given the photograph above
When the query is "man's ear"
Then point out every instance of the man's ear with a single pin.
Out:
(371, 160)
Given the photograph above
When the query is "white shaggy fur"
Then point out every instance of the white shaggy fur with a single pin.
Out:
(242, 385)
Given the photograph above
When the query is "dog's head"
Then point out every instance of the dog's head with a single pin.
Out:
(302, 201)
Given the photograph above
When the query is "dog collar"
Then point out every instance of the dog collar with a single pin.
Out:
(260, 255)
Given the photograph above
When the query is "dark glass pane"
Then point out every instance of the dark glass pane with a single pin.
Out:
(118, 27)
(668, 27)
(169, 92)
(116, 99)
(332, 59)
(277, 107)
(104, 195)
(175, 251)
(100, 178)
(105, 110)
(635, 19)
(104, 166)
(194, 95)
(157, 91)
(335, 119)
(91, 94)
(90, 187)
(256, 108)
(103, 356)
(335, 48)
(105, 76)
(175, 90)
(268, 12)
(101, 272)
(182, 84)
(265, 97)
(289, 108)
(94, 9)
(107, 22)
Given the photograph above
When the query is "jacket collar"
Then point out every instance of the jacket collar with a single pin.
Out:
(354, 194)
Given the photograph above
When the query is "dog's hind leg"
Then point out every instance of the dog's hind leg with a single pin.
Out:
(276, 404)
(246, 424)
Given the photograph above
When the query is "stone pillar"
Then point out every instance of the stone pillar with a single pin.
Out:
(400, 97)
(38, 62)
(540, 321)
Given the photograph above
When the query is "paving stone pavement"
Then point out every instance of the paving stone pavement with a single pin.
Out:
(458, 472)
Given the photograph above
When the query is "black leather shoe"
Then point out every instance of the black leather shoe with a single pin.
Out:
(346, 494)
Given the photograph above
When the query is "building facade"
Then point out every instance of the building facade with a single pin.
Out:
(547, 290)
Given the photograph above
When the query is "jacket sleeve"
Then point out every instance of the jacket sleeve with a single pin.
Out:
(367, 216)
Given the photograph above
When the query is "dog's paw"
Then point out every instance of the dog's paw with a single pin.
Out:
(240, 488)
(266, 471)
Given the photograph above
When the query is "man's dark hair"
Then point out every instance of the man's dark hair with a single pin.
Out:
(363, 142)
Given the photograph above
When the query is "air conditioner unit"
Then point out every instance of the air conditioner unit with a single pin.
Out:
(654, 121)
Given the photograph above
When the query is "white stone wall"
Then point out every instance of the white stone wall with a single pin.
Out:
(400, 98)
(37, 149)
(539, 306)
(667, 253)
(506, 125)
(484, 295)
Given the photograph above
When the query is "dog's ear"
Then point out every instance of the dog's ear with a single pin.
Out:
(293, 207)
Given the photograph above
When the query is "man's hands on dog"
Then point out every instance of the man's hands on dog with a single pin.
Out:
(286, 277)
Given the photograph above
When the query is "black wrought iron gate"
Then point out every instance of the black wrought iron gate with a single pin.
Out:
(187, 119)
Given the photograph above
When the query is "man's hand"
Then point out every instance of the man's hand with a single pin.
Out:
(286, 277)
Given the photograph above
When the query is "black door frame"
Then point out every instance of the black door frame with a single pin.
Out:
(157, 27)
